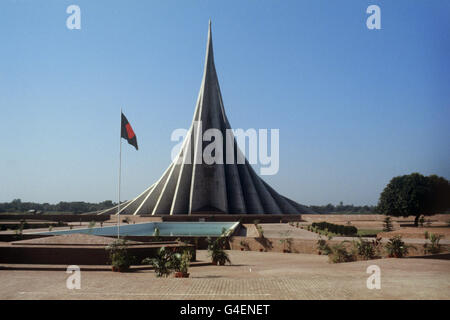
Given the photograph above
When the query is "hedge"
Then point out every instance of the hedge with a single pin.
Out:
(335, 228)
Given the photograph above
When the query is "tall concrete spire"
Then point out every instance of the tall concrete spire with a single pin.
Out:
(190, 186)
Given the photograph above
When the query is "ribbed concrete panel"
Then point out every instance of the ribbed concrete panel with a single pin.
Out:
(252, 202)
(284, 205)
(269, 204)
(165, 199)
(180, 202)
(149, 202)
(114, 209)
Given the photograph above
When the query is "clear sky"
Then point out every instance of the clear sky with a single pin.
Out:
(355, 107)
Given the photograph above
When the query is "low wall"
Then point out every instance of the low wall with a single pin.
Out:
(77, 255)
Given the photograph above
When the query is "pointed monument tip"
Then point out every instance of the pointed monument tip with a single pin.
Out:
(209, 29)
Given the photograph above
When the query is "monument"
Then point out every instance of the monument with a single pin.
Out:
(189, 187)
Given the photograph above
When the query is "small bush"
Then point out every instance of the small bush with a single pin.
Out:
(397, 248)
(340, 254)
(162, 262)
(286, 242)
(156, 234)
(433, 247)
(260, 231)
(216, 250)
(387, 224)
(365, 249)
(323, 247)
(244, 244)
(180, 262)
(119, 256)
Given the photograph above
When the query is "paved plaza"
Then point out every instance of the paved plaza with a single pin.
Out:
(253, 275)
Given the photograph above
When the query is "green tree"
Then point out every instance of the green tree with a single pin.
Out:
(415, 194)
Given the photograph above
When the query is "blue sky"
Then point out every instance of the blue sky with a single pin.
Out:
(355, 107)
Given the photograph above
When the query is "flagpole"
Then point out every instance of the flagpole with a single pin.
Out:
(120, 169)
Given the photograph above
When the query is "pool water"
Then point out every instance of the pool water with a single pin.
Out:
(165, 229)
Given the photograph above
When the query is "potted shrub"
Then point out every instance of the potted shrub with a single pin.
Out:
(244, 245)
(162, 263)
(180, 263)
(216, 251)
(119, 256)
(287, 242)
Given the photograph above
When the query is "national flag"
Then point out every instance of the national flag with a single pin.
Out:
(127, 132)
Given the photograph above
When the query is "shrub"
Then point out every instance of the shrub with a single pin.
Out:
(260, 231)
(216, 250)
(397, 248)
(286, 242)
(365, 248)
(180, 262)
(162, 262)
(126, 220)
(244, 244)
(433, 247)
(156, 234)
(387, 224)
(119, 256)
(323, 247)
(339, 253)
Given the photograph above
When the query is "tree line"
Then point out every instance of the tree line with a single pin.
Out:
(70, 207)
(342, 208)
(82, 207)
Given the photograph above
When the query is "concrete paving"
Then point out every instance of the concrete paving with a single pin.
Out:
(253, 275)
